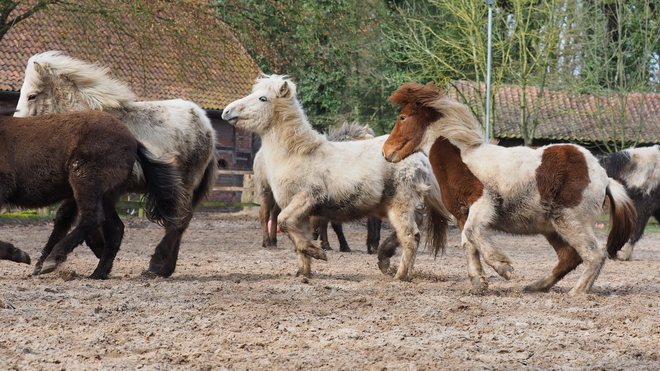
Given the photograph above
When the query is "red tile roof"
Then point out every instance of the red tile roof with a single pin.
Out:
(207, 66)
(567, 116)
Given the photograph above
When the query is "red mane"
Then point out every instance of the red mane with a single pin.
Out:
(411, 92)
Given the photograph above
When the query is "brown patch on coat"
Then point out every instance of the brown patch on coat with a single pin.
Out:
(460, 187)
(562, 176)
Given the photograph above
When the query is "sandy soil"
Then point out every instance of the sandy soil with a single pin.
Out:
(233, 305)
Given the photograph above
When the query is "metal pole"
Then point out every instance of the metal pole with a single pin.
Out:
(488, 64)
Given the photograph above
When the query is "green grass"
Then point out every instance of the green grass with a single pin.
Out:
(25, 214)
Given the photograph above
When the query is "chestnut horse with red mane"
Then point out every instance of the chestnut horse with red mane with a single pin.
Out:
(556, 190)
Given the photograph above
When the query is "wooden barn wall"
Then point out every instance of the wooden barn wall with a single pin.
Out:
(235, 150)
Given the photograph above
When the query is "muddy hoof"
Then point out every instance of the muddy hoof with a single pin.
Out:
(384, 265)
(303, 274)
(479, 284)
(508, 273)
(148, 274)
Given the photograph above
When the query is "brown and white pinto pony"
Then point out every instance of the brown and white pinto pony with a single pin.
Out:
(557, 190)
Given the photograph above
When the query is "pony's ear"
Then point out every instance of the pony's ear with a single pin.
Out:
(285, 90)
(39, 68)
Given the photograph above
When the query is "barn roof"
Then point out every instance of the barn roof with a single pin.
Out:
(572, 117)
(200, 60)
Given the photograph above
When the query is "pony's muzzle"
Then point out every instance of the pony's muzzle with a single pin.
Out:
(228, 116)
(392, 157)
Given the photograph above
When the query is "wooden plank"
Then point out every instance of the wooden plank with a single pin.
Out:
(235, 172)
(243, 204)
(239, 189)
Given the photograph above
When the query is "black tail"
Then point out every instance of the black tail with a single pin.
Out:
(165, 200)
(205, 187)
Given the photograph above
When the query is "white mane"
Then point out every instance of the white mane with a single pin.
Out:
(97, 89)
(299, 136)
(458, 123)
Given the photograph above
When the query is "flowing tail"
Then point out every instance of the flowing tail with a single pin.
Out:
(437, 218)
(622, 217)
(165, 199)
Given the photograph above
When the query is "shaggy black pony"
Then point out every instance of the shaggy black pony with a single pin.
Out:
(84, 160)
(638, 169)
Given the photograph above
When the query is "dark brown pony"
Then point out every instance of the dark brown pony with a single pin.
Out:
(85, 161)
(557, 191)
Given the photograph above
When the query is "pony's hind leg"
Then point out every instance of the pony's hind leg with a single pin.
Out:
(373, 234)
(643, 216)
(339, 231)
(113, 233)
(320, 231)
(580, 236)
(163, 261)
(569, 259)
(268, 218)
(386, 251)
(294, 221)
(64, 218)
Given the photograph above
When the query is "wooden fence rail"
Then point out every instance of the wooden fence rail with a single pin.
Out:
(247, 196)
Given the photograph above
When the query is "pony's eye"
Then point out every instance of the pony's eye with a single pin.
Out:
(32, 97)
(263, 99)
(401, 118)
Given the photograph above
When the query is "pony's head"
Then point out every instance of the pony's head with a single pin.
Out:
(55, 83)
(427, 114)
(272, 101)
(415, 117)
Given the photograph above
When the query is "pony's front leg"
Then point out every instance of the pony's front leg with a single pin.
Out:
(294, 222)
(9, 252)
(64, 218)
(409, 236)
(477, 242)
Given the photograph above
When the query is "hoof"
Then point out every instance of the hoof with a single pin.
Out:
(24, 258)
(98, 276)
(404, 277)
(345, 249)
(148, 274)
(326, 246)
(303, 274)
(479, 284)
(36, 271)
(384, 265)
(160, 271)
(48, 267)
(508, 273)
(314, 251)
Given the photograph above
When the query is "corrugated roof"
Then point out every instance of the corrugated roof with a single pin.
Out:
(567, 116)
(208, 67)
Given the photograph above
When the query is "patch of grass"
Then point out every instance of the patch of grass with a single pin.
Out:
(25, 214)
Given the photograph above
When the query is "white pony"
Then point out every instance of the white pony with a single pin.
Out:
(55, 83)
(341, 181)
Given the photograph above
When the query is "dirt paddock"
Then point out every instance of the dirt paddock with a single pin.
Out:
(233, 305)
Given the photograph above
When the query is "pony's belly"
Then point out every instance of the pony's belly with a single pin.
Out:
(521, 223)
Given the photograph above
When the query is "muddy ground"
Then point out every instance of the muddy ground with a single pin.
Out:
(234, 305)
